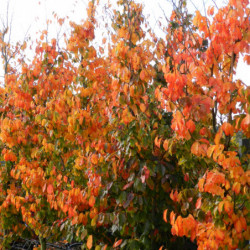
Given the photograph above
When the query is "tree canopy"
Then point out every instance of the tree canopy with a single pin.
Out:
(135, 144)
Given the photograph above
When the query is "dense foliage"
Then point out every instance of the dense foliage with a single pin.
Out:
(134, 148)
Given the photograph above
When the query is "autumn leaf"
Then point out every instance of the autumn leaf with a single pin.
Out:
(186, 177)
(210, 150)
(245, 124)
(142, 107)
(91, 201)
(94, 159)
(128, 185)
(236, 187)
(90, 138)
(117, 243)
(210, 10)
(218, 137)
(165, 145)
(238, 226)
(90, 242)
(174, 195)
(228, 129)
(198, 203)
(191, 126)
(165, 215)
(50, 189)
(158, 142)
(195, 148)
(143, 75)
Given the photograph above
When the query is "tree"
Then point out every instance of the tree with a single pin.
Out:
(104, 150)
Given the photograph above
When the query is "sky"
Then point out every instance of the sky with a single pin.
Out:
(29, 17)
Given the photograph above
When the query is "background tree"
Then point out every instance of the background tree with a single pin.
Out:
(101, 148)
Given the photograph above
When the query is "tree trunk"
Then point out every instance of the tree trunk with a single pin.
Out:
(42, 242)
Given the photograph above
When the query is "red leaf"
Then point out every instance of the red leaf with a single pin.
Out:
(186, 177)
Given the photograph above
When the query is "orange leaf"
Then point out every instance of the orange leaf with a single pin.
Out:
(243, 223)
(165, 145)
(210, 10)
(143, 75)
(228, 207)
(236, 187)
(228, 129)
(91, 201)
(172, 218)
(191, 126)
(128, 185)
(238, 226)
(198, 203)
(165, 215)
(245, 123)
(220, 206)
(220, 235)
(195, 148)
(94, 159)
(201, 184)
(218, 137)
(210, 151)
(50, 189)
(90, 242)
(117, 243)
(174, 195)
(157, 142)
(142, 107)
(218, 151)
